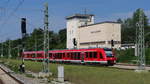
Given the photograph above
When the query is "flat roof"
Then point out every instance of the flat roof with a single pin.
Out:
(100, 23)
(79, 16)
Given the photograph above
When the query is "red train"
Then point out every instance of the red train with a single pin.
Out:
(92, 56)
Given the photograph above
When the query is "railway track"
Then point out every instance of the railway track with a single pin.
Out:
(7, 78)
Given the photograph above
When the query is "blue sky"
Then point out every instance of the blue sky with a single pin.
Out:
(104, 10)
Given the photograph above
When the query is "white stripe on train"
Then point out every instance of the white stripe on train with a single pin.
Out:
(75, 61)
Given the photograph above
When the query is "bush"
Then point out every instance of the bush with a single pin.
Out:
(127, 56)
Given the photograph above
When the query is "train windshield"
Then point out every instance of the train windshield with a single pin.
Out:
(108, 52)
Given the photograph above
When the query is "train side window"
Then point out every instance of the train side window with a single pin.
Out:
(100, 55)
(50, 55)
(90, 54)
(78, 57)
(86, 54)
(71, 55)
(59, 55)
(55, 56)
(68, 55)
(63, 55)
(33, 55)
(75, 55)
(95, 54)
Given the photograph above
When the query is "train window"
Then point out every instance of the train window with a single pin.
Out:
(90, 54)
(95, 54)
(60, 55)
(71, 55)
(32, 55)
(78, 56)
(74, 55)
(101, 56)
(57, 56)
(63, 55)
(54, 56)
(50, 55)
(38, 55)
(86, 54)
(67, 55)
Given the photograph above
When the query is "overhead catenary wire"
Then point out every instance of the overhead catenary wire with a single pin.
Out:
(12, 13)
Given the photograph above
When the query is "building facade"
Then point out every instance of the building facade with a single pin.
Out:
(73, 23)
(82, 32)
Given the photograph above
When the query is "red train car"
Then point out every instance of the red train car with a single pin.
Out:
(92, 56)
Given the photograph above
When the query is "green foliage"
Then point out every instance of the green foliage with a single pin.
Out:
(34, 42)
(147, 55)
(128, 31)
(127, 56)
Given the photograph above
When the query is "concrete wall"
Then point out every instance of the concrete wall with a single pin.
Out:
(99, 35)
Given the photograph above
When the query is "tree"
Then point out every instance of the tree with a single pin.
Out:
(128, 31)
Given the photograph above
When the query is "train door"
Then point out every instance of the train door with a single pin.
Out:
(102, 55)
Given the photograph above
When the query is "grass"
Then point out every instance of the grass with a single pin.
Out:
(80, 74)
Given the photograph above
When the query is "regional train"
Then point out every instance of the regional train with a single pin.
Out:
(83, 56)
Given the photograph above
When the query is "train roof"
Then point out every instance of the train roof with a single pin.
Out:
(76, 50)
(68, 50)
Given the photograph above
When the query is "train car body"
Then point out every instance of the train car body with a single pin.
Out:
(83, 56)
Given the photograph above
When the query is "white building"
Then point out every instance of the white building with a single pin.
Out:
(73, 23)
(82, 31)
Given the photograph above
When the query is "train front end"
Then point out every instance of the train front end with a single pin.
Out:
(111, 59)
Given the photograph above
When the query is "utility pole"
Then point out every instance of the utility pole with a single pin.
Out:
(9, 50)
(46, 41)
(2, 50)
(140, 41)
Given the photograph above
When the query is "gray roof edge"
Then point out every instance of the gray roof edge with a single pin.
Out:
(79, 15)
(100, 23)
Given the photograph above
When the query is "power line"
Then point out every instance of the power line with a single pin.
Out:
(12, 13)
